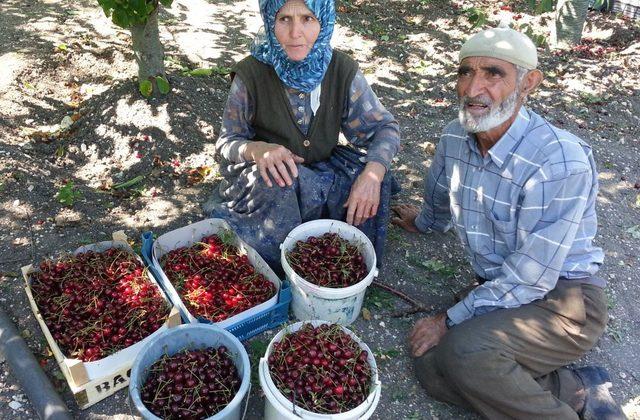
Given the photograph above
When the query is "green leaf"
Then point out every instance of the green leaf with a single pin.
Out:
(107, 6)
(166, 3)
(221, 70)
(129, 183)
(63, 47)
(227, 236)
(146, 88)
(199, 72)
(545, 6)
(384, 38)
(476, 17)
(121, 18)
(163, 85)
(139, 7)
(67, 194)
(60, 151)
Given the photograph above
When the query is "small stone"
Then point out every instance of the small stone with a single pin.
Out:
(623, 375)
(30, 188)
(382, 324)
(15, 405)
(67, 217)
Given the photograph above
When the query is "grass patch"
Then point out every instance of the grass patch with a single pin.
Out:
(378, 299)
(257, 348)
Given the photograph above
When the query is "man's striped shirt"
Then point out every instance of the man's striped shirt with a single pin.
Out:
(525, 212)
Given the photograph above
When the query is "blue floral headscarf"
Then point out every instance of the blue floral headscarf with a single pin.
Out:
(307, 74)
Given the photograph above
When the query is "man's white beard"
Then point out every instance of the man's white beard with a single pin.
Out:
(496, 116)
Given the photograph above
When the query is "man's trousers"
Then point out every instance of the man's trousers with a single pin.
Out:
(509, 363)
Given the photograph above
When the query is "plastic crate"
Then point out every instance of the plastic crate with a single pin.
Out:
(243, 330)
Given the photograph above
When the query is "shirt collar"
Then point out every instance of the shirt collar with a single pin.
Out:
(500, 151)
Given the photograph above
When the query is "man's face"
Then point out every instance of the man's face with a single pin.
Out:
(487, 93)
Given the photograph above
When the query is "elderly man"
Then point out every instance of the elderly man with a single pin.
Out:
(521, 195)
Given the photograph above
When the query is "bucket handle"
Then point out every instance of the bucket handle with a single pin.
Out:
(130, 409)
(246, 403)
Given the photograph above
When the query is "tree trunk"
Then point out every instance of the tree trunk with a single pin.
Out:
(570, 17)
(148, 50)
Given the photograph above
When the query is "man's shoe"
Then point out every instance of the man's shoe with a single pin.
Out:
(598, 403)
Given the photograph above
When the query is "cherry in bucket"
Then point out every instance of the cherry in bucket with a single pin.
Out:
(328, 261)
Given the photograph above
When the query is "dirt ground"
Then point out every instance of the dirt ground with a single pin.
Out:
(63, 58)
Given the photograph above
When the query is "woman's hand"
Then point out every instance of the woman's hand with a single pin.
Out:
(273, 159)
(364, 197)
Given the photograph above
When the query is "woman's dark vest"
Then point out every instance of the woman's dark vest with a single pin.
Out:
(274, 121)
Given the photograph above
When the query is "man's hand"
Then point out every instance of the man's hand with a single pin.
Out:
(407, 214)
(364, 197)
(427, 333)
(273, 159)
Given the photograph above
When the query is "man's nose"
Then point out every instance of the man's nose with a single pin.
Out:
(475, 87)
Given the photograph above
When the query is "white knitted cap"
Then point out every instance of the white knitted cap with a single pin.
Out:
(502, 43)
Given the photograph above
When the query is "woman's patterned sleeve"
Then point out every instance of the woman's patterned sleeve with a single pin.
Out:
(367, 123)
(236, 129)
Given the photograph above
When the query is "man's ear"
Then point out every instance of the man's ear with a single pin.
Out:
(531, 81)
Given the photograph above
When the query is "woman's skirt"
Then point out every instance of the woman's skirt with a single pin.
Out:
(263, 216)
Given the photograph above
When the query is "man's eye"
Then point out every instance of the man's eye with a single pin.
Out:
(310, 19)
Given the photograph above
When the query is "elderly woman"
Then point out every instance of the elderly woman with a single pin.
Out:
(278, 148)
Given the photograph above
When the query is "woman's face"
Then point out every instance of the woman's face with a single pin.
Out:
(296, 29)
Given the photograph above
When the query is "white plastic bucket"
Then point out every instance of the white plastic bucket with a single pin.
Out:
(310, 301)
(277, 406)
(192, 336)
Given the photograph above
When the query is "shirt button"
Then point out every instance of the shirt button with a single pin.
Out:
(301, 96)
(306, 143)
(301, 108)
(299, 121)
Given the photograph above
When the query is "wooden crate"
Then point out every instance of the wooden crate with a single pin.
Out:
(91, 382)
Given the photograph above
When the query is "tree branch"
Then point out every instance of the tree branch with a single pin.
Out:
(417, 306)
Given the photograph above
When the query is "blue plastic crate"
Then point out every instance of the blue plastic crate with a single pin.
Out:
(262, 321)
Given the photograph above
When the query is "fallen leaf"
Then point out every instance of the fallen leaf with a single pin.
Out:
(198, 174)
(366, 314)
